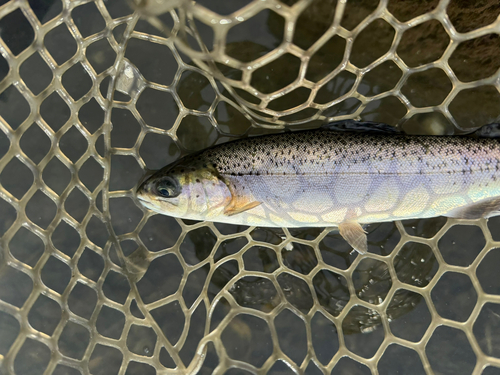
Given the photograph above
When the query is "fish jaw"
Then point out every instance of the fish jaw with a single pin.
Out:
(173, 207)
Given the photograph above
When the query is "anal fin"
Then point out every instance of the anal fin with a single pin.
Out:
(483, 209)
(355, 235)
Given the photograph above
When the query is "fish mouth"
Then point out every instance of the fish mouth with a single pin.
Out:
(142, 199)
(147, 203)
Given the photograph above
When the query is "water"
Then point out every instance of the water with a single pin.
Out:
(151, 282)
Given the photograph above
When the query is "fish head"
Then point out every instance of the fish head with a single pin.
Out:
(187, 189)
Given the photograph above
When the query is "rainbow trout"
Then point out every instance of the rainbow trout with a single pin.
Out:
(326, 178)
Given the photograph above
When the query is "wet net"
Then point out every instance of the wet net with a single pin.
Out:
(94, 93)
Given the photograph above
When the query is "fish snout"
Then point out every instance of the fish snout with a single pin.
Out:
(145, 185)
(145, 188)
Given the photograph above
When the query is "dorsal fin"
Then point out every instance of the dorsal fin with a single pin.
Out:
(361, 126)
(488, 131)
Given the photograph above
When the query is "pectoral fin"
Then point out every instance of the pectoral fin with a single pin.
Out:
(355, 235)
(238, 205)
(240, 200)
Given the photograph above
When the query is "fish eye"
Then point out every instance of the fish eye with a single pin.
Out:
(168, 188)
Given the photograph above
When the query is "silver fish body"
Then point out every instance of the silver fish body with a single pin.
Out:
(328, 178)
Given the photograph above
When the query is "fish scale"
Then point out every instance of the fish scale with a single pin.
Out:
(360, 153)
(347, 159)
(329, 178)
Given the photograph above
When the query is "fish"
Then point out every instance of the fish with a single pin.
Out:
(335, 176)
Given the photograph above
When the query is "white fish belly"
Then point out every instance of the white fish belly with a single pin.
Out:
(327, 200)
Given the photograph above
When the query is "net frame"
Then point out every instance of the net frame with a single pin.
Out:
(125, 77)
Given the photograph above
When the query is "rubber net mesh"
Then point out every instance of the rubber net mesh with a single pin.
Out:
(94, 93)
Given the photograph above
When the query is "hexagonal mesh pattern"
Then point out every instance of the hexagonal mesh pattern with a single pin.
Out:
(93, 93)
